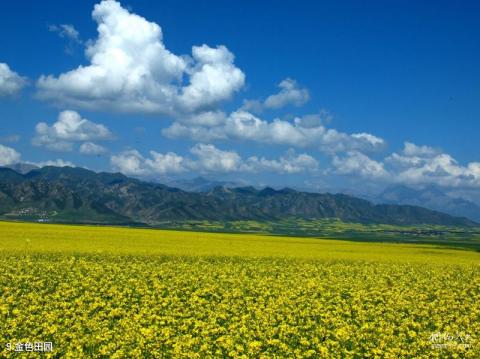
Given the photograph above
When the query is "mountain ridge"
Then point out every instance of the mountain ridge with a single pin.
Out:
(200, 184)
(430, 197)
(66, 193)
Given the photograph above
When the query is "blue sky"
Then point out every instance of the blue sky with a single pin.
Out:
(371, 94)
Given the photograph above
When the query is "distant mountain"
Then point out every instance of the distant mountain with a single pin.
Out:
(200, 184)
(432, 198)
(23, 168)
(79, 195)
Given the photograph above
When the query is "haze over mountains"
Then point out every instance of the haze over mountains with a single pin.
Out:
(201, 184)
(79, 195)
(430, 197)
(23, 168)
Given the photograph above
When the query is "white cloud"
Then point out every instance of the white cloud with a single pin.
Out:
(130, 70)
(357, 163)
(57, 163)
(315, 119)
(369, 138)
(166, 163)
(255, 106)
(244, 125)
(399, 160)
(290, 94)
(411, 149)
(130, 162)
(10, 82)
(213, 78)
(209, 159)
(414, 165)
(443, 170)
(92, 149)
(212, 159)
(289, 163)
(207, 119)
(8, 156)
(412, 156)
(302, 132)
(67, 31)
(70, 127)
(426, 165)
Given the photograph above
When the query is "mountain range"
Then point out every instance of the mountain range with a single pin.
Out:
(65, 194)
(201, 184)
(430, 197)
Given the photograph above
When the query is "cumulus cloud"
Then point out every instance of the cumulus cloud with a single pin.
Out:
(131, 70)
(166, 163)
(213, 78)
(411, 149)
(10, 82)
(70, 127)
(301, 132)
(290, 94)
(209, 159)
(426, 165)
(357, 163)
(130, 162)
(207, 119)
(8, 156)
(289, 163)
(369, 138)
(92, 149)
(255, 106)
(412, 156)
(413, 165)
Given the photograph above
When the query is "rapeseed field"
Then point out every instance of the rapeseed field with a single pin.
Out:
(136, 293)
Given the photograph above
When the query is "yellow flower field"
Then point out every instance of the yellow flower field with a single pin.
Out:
(136, 293)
